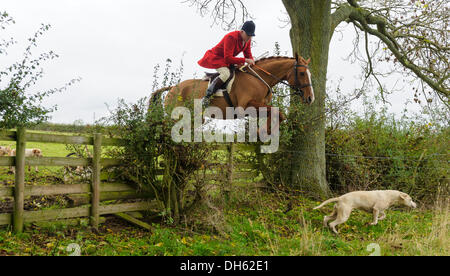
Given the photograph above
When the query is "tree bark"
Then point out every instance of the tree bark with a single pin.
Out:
(310, 35)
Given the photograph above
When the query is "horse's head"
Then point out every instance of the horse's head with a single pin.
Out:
(299, 79)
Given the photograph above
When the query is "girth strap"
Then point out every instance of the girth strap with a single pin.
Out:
(226, 95)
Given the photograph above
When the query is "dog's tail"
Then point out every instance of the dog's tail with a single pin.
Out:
(334, 199)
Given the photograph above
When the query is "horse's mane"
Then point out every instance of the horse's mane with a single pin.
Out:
(271, 58)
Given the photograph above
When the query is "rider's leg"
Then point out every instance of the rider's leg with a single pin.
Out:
(224, 73)
(216, 84)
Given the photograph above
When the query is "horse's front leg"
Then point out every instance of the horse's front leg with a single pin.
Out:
(278, 115)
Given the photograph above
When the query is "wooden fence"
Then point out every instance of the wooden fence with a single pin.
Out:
(98, 191)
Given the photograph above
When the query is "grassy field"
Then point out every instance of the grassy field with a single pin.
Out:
(256, 225)
(50, 150)
(252, 222)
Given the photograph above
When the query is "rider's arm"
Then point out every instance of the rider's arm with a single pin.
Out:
(248, 51)
(228, 48)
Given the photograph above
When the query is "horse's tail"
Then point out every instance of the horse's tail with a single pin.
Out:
(334, 199)
(155, 98)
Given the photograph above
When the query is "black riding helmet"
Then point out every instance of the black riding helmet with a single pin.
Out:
(249, 28)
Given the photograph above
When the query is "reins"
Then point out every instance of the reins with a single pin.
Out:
(297, 86)
(261, 79)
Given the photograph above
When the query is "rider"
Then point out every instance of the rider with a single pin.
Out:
(224, 54)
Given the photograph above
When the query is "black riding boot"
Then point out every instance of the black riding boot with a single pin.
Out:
(212, 88)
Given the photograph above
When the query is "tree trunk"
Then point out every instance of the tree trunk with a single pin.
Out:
(310, 36)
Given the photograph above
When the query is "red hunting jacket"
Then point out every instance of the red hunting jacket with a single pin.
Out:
(224, 54)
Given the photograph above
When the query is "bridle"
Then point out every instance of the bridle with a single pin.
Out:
(297, 87)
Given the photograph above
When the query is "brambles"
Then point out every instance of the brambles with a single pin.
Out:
(153, 161)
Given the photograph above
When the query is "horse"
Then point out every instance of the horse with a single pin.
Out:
(249, 89)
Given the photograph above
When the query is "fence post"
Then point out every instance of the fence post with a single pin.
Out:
(19, 180)
(230, 168)
(95, 188)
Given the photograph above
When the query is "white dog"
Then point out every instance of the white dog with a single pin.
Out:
(28, 153)
(5, 150)
(374, 202)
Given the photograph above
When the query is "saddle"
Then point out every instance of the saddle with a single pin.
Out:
(210, 76)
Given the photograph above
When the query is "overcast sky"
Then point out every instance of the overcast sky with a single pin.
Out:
(113, 45)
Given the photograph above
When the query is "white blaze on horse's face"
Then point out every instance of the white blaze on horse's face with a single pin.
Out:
(312, 89)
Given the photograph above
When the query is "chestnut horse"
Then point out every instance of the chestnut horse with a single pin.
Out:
(248, 90)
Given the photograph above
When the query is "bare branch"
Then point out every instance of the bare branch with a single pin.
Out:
(223, 12)
(340, 15)
(414, 32)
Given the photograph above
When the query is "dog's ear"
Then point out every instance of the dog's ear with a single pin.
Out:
(403, 195)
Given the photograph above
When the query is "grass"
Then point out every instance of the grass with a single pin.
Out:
(252, 222)
(48, 149)
(254, 225)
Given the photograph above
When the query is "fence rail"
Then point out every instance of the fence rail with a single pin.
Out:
(94, 193)
(91, 194)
